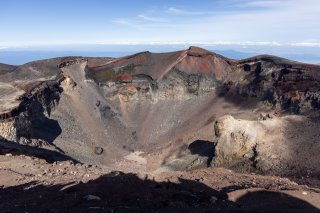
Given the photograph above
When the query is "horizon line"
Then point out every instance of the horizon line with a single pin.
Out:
(151, 43)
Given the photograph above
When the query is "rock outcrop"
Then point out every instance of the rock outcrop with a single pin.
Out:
(236, 140)
(285, 84)
(34, 107)
(266, 145)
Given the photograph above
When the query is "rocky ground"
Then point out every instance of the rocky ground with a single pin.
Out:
(30, 184)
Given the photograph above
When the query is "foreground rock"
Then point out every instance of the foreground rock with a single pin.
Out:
(33, 185)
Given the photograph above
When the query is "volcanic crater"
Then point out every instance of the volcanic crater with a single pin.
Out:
(166, 112)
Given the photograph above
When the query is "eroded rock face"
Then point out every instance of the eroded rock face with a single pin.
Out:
(287, 85)
(33, 109)
(236, 140)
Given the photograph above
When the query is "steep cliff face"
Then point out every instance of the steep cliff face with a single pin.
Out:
(156, 103)
(287, 85)
(21, 124)
(29, 94)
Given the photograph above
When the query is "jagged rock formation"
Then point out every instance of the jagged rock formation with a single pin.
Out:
(28, 93)
(285, 84)
(155, 103)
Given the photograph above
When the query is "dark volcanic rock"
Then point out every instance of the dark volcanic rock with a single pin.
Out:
(286, 84)
(98, 150)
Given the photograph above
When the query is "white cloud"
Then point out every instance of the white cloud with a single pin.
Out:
(306, 44)
(226, 22)
(121, 21)
(287, 22)
(263, 3)
(152, 19)
(181, 12)
(217, 43)
(174, 10)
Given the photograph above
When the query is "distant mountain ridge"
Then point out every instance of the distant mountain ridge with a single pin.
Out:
(21, 56)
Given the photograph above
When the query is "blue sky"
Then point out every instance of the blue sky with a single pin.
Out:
(239, 22)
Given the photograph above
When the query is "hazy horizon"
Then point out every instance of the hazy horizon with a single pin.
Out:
(17, 56)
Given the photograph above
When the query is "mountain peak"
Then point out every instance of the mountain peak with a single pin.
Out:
(193, 50)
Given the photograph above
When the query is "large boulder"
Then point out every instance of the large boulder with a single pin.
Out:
(236, 140)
